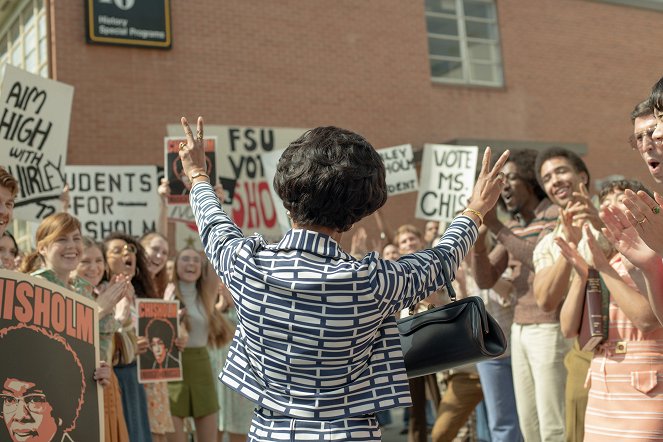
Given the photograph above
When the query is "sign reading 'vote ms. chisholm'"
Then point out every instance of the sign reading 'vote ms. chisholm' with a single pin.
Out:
(143, 23)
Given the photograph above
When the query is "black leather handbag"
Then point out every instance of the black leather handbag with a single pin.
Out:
(456, 334)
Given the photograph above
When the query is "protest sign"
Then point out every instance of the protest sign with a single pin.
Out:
(49, 348)
(114, 198)
(34, 130)
(157, 321)
(177, 180)
(447, 180)
(239, 157)
(401, 175)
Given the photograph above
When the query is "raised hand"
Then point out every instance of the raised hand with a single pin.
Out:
(164, 188)
(582, 209)
(65, 198)
(359, 246)
(570, 253)
(597, 255)
(108, 299)
(192, 153)
(644, 214)
(489, 183)
(626, 238)
(491, 221)
(571, 230)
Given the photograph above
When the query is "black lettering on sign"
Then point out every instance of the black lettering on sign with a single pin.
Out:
(453, 158)
(442, 205)
(27, 130)
(35, 180)
(92, 204)
(109, 182)
(397, 166)
(451, 181)
(247, 166)
(24, 95)
(249, 140)
(26, 156)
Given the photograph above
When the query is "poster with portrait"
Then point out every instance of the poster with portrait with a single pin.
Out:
(34, 132)
(157, 321)
(49, 348)
(447, 179)
(177, 180)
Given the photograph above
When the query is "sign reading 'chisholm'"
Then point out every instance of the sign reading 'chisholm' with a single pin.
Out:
(143, 23)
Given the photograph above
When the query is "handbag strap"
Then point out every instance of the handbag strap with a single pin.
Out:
(447, 281)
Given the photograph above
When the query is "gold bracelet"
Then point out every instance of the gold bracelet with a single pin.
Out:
(475, 212)
(198, 173)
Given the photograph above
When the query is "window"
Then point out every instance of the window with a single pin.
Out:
(656, 5)
(24, 39)
(463, 42)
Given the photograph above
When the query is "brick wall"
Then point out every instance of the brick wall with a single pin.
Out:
(573, 71)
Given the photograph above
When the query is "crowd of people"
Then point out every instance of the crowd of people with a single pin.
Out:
(303, 335)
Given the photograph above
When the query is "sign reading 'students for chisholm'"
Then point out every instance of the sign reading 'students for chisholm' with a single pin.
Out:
(144, 23)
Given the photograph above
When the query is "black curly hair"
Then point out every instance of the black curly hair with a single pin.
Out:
(330, 177)
(142, 281)
(28, 365)
(524, 160)
(610, 186)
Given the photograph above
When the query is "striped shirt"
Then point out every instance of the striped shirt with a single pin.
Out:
(626, 379)
(516, 243)
(317, 336)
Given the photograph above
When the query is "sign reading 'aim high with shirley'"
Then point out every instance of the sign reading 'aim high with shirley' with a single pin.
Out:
(34, 129)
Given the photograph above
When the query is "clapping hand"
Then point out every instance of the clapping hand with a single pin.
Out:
(570, 253)
(644, 214)
(116, 290)
(582, 209)
(626, 238)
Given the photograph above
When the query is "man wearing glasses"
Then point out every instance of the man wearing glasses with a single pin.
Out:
(644, 124)
(32, 404)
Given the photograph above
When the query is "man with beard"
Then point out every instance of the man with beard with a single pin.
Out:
(537, 373)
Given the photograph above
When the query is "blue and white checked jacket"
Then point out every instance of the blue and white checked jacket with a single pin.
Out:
(317, 337)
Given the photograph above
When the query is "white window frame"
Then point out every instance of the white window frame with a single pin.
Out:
(17, 17)
(656, 5)
(464, 41)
